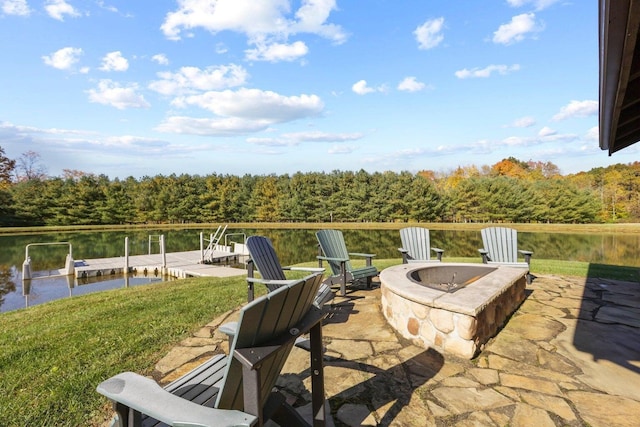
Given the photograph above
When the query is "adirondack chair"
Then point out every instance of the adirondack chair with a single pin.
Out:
(234, 390)
(416, 246)
(331, 248)
(263, 256)
(501, 247)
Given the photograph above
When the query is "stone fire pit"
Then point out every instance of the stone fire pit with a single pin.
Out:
(455, 318)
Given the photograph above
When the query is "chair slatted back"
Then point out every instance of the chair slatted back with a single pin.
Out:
(259, 323)
(333, 246)
(265, 258)
(501, 243)
(416, 241)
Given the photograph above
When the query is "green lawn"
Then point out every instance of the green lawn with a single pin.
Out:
(52, 356)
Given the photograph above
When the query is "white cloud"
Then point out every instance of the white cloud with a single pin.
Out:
(593, 134)
(411, 84)
(486, 72)
(114, 61)
(523, 122)
(58, 8)
(517, 29)
(265, 22)
(189, 80)
(241, 112)
(10, 128)
(546, 131)
(16, 7)
(121, 97)
(429, 34)
(361, 88)
(341, 149)
(537, 4)
(255, 104)
(545, 137)
(272, 142)
(221, 48)
(577, 109)
(211, 126)
(295, 138)
(312, 17)
(107, 7)
(317, 136)
(63, 59)
(160, 58)
(277, 52)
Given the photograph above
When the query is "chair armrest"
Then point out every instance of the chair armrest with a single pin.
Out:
(332, 259)
(527, 255)
(438, 252)
(309, 269)
(144, 395)
(369, 257)
(485, 255)
(405, 255)
(229, 329)
(342, 261)
(362, 255)
(267, 282)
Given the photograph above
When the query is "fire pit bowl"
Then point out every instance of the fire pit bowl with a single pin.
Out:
(449, 278)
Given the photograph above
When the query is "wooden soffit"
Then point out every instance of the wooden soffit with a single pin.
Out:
(619, 74)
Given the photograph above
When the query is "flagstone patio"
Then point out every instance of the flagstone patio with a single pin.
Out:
(569, 356)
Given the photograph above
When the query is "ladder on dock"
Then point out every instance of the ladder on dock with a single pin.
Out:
(214, 243)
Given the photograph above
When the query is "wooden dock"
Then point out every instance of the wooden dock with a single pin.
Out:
(174, 264)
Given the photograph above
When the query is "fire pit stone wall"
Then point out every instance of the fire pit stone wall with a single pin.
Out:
(457, 323)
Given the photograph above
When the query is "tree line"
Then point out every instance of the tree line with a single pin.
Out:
(509, 191)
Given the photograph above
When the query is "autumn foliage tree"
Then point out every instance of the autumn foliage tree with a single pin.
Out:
(7, 166)
(509, 191)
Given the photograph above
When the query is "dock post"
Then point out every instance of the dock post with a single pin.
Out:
(26, 269)
(201, 247)
(164, 255)
(69, 265)
(126, 256)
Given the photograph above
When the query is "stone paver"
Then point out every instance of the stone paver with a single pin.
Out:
(569, 356)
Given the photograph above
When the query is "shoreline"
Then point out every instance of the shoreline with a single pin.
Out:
(633, 228)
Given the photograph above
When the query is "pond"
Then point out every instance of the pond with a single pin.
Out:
(292, 246)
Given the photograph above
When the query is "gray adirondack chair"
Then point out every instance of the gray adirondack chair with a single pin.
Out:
(416, 246)
(501, 247)
(263, 257)
(332, 248)
(234, 390)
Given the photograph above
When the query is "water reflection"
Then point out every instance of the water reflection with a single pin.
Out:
(292, 246)
(44, 289)
(7, 285)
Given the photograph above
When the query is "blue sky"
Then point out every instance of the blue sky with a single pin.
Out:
(135, 88)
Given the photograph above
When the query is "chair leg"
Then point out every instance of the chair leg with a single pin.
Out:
(286, 415)
(317, 376)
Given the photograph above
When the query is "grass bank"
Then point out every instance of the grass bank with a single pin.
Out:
(54, 355)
